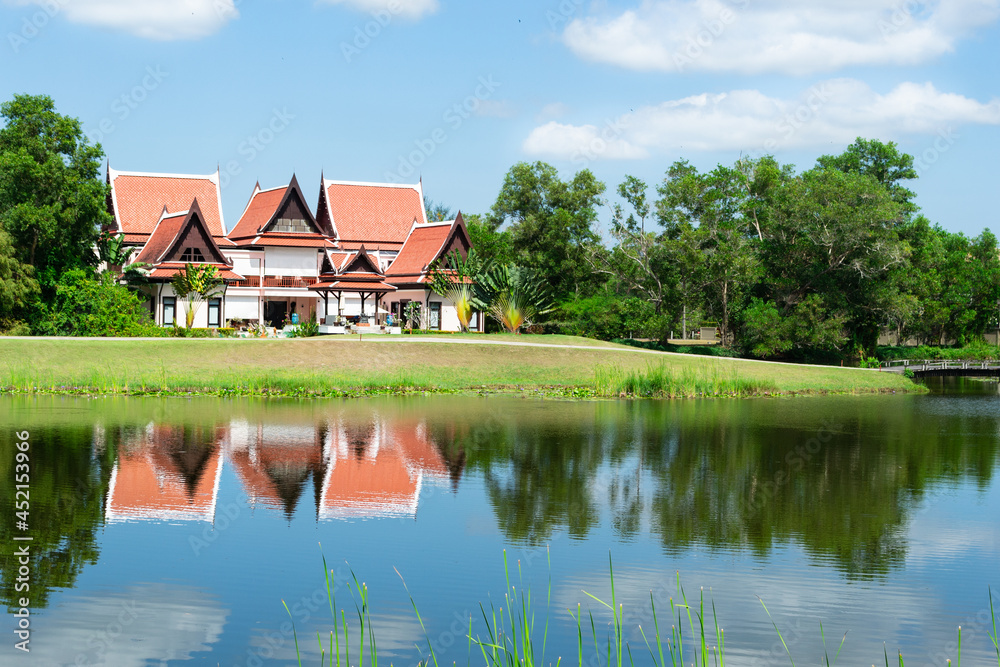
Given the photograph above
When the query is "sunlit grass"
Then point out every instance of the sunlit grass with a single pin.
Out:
(348, 367)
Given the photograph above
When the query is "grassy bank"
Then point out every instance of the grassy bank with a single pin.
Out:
(345, 366)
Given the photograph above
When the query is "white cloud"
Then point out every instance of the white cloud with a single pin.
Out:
(411, 9)
(766, 36)
(151, 19)
(580, 142)
(835, 111)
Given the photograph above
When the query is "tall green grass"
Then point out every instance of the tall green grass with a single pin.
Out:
(514, 636)
(662, 381)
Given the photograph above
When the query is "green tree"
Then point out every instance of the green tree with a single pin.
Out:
(882, 161)
(87, 306)
(551, 223)
(490, 243)
(834, 235)
(52, 202)
(17, 284)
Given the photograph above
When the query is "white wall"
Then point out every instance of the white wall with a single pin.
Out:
(243, 307)
(298, 262)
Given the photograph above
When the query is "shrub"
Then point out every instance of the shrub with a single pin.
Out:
(306, 329)
(89, 306)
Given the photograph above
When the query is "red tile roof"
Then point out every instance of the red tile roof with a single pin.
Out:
(356, 245)
(139, 198)
(353, 286)
(373, 212)
(162, 238)
(422, 247)
(259, 211)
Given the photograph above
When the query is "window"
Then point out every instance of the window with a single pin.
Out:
(474, 321)
(293, 225)
(435, 318)
(215, 312)
(192, 255)
(169, 310)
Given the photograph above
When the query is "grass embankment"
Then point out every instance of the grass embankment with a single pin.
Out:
(345, 366)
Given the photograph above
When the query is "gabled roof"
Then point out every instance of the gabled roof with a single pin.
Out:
(266, 207)
(172, 229)
(360, 263)
(370, 212)
(425, 244)
(138, 199)
(357, 272)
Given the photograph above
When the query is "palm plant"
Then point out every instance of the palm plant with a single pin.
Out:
(196, 284)
(454, 277)
(513, 295)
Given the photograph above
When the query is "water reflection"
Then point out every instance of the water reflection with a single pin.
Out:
(166, 472)
(841, 477)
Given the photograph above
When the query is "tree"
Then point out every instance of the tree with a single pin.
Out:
(454, 277)
(551, 223)
(513, 295)
(197, 283)
(85, 305)
(52, 202)
(490, 243)
(883, 162)
(436, 212)
(834, 234)
(17, 284)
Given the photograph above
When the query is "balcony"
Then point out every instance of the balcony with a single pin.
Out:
(274, 281)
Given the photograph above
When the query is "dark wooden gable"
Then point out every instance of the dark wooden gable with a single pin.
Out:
(323, 211)
(194, 237)
(362, 263)
(458, 239)
(293, 207)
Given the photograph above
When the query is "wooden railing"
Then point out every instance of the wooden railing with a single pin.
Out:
(272, 281)
(923, 365)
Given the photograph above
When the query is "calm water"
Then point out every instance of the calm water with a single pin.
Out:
(170, 530)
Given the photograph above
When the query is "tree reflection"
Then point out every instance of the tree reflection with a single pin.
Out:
(839, 477)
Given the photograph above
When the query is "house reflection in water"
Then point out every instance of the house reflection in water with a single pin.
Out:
(357, 467)
(377, 468)
(275, 460)
(167, 473)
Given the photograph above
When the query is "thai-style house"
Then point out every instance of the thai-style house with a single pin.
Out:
(364, 255)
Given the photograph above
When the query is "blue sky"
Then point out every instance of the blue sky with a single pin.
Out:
(456, 93)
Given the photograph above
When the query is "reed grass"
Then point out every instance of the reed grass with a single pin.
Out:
(662, 381)
(511, 637)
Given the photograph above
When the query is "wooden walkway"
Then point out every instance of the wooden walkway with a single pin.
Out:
(940, 368)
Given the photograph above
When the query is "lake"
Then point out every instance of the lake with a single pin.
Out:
(170, 530)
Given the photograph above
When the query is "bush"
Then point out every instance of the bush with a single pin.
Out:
(14, 328)
(226, 332)
(89, 306)
(193, 332)
(306, 329)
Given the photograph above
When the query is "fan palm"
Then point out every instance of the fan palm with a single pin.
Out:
(196, 284)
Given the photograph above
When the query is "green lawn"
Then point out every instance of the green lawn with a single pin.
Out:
(336, 365)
